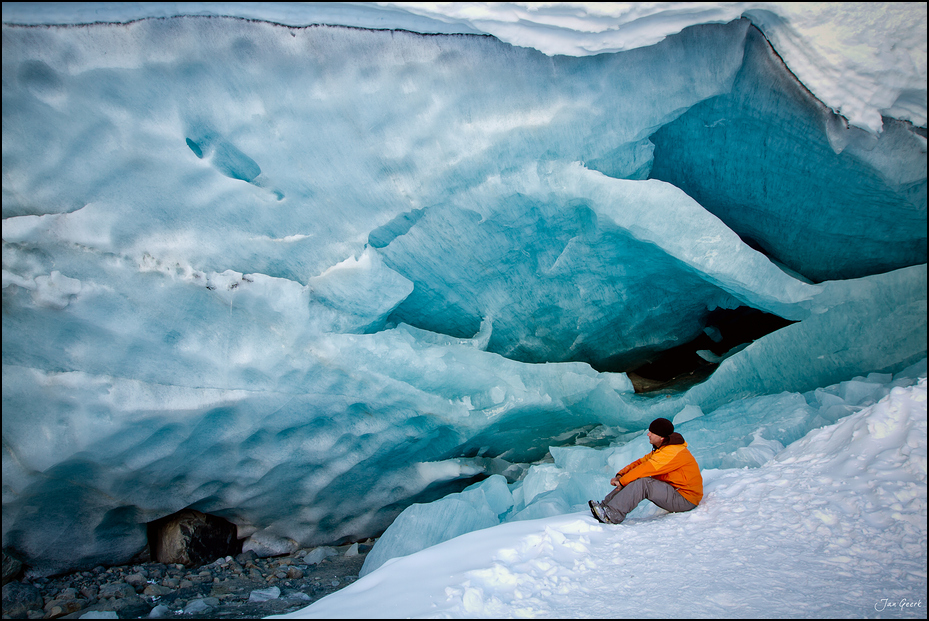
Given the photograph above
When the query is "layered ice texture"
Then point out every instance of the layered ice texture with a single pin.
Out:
(302, 278)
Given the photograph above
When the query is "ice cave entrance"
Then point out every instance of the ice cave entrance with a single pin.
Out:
(192, 538)
(727, 331)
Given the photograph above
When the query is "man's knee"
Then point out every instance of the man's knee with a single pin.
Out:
(666, 496)
(638, 484)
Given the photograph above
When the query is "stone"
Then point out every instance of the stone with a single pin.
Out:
(171, 583)
(161, 612)
(229, 594)
(136, 580)
(156, 590)
(197, 606)
(19, 598)
(192, 538)
(263, 595)
(12, 565)
(58, 607)
(100, 614)
(318, 554)
(246, 556)
(266, 544)
(298, 595)
(128, 607)
(116, 590)
(222, 590)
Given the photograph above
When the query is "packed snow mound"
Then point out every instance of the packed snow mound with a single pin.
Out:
(743, 434)
(834, 525)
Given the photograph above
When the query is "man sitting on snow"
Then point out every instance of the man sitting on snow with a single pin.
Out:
(668, 476)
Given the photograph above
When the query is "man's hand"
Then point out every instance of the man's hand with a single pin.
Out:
(615, 482)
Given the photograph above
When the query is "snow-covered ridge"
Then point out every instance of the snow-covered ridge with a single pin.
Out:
(745, 434)
(863, 60)
(833, 526)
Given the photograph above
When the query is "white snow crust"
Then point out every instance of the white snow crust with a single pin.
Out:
(863, 60)
(833, 526)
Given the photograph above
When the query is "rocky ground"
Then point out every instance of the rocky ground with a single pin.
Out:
(244, 587)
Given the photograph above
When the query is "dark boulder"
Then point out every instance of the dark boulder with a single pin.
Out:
(19, 598)
(192, 538)
(12, 566)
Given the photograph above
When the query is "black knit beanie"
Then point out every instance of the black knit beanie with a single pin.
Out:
(661, 427)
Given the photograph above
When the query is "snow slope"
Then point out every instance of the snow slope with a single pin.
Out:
(834, 526)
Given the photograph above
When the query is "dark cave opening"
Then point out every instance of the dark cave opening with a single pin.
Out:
(681, 367)
(192, 538)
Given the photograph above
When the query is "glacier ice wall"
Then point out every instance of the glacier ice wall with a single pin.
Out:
(303, 277)
(767, 157)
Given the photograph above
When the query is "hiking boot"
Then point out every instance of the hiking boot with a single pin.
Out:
(597, 512)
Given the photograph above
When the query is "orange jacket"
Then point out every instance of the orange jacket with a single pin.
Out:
(673, 464)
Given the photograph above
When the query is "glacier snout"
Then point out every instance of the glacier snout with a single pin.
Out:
(301, 278)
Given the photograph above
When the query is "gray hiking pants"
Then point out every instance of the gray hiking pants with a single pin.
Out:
(622, 500)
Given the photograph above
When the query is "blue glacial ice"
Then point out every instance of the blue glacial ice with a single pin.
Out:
(743, 434)
(765, 160)
(305, 278)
